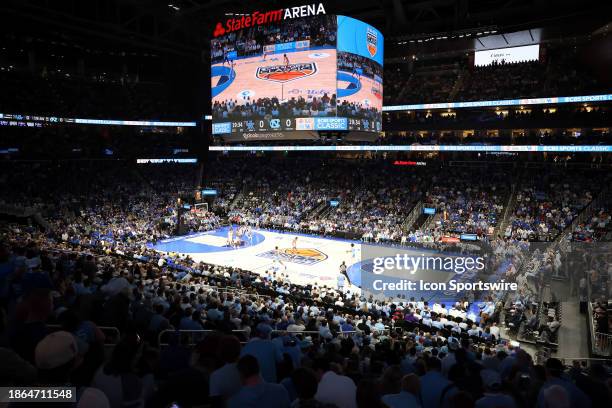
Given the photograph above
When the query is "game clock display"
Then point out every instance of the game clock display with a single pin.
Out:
(263, 125)
(317, 73)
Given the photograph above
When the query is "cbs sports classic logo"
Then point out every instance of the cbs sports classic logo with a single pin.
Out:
(259, 18)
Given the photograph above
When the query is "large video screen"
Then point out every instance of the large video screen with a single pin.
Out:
(321, 72)
(507, 55)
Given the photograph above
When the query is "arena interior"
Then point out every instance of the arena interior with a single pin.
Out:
(391, 203)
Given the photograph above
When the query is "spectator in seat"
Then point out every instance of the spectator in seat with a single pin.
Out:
(305, 382)
(334, 388)
(57, 357)
(225, 381)
(255, 392)
(550, 390)
(267, 352)
(407, 397)
(118, 379)
(493, 397)
(434, 384)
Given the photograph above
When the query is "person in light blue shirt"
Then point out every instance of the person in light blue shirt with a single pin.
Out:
(255, 392)
(379, 326)
(267, 352)
(214, 313)
(324, 330)
(407, 397)
(434, 384)
(191, 321)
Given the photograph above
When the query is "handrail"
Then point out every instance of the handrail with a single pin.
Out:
(316, 332)
(601, 343)
(585, 359)
(413, 215)
(174, 331)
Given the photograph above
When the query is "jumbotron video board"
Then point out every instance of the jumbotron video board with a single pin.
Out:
(276, 73)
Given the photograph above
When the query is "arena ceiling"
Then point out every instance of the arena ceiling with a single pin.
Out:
(183, 27)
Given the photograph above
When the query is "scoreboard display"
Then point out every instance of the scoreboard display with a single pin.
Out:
(295, 70)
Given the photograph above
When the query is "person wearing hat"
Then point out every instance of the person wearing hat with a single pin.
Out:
(333, 388)
(56, 357)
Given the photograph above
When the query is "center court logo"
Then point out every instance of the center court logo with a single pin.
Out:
(302, 256)
(286, 73)
(372, 41)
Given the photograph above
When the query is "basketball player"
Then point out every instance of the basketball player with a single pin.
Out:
(276, 261)
(343, 272)
(353, 252)
(341, 283)
(294, 245)
(238, 240)
(230, 236)
(249, 233)
(286, 61)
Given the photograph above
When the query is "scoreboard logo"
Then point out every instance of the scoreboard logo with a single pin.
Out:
(219, 30)
(286, 73)
(273, 16)
(372, 41)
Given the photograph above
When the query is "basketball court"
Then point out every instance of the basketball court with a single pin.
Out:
(317, 259)
(359, 89)
(310, 73)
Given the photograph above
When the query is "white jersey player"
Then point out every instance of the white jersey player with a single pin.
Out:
(294, 245)
(354, 251)
(277, 264)
(230, 236)
(341, 280)
(249, 234)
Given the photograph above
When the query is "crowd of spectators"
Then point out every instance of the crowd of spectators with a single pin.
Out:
(468, 202)
(505, 81)
(596, 228)
(545, 207)
(358, 65)
(559, 73)
(319, 30)
(324, 105)
(429, 87)
(271, 342)
(53, 94)
(360, 110)
(296, 197)
(286, 196)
